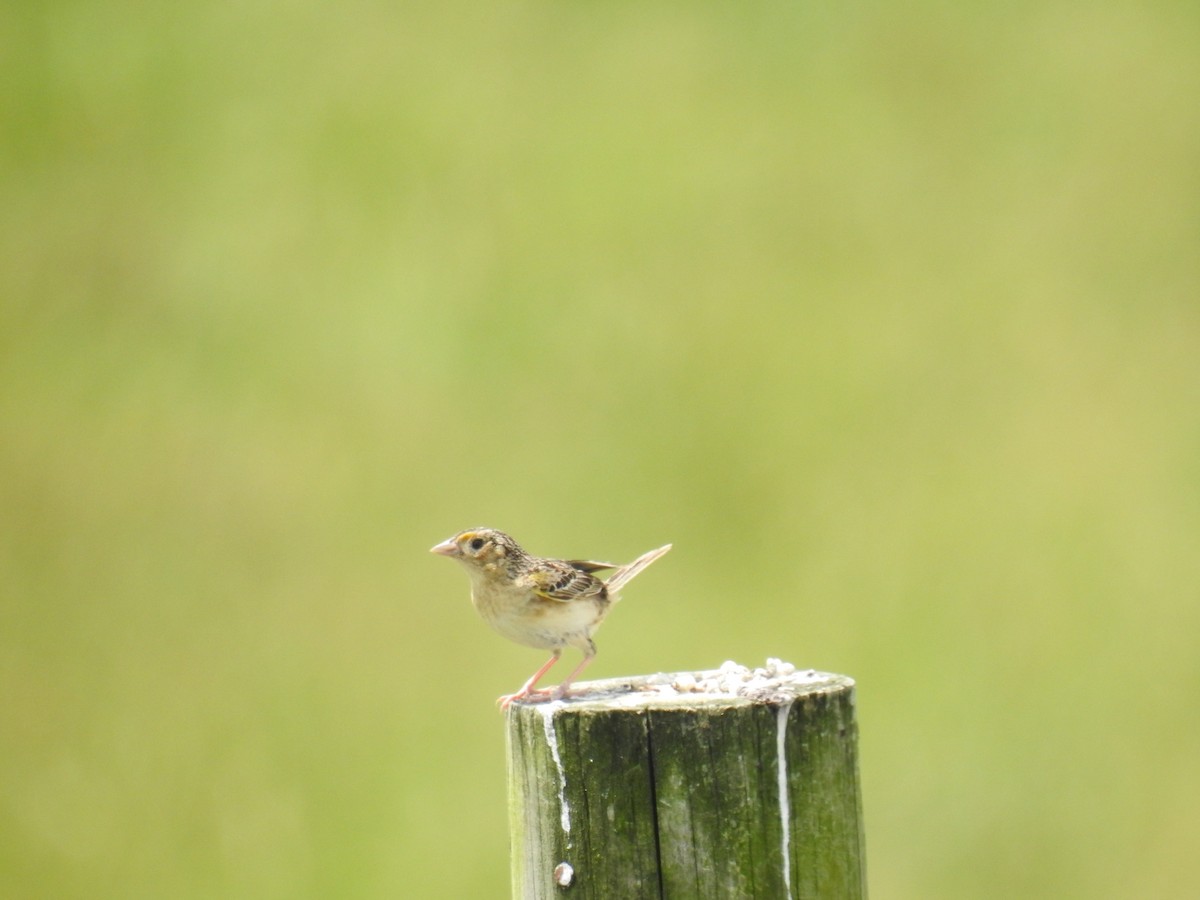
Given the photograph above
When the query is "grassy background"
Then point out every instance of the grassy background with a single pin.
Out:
(888, 318)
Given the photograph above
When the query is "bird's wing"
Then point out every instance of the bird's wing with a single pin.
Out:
(560, 580)
(588, 565)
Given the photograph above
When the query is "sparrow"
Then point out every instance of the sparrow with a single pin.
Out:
(545, 603)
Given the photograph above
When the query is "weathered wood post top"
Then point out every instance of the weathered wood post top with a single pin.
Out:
(735, 782)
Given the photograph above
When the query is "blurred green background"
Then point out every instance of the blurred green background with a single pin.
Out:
(889, 317)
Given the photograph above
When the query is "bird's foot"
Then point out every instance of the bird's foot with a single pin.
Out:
(504, 701)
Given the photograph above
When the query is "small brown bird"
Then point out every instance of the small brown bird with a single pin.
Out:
(546, 603)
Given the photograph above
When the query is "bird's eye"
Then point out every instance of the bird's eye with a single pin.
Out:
(477, 543)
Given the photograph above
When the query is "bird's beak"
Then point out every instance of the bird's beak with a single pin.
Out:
(446, 548)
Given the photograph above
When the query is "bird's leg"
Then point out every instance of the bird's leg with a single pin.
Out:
(588, 655)
(527, 688)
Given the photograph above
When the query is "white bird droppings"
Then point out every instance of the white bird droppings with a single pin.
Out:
(785, 806)
(552, 741)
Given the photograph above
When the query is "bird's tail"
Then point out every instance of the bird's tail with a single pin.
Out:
(626, 574)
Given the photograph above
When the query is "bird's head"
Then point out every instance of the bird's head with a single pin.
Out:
(481, 549)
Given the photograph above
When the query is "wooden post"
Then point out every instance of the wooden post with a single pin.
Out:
(733, 783)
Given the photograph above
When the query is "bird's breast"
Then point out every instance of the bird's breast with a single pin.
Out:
(524, 617)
